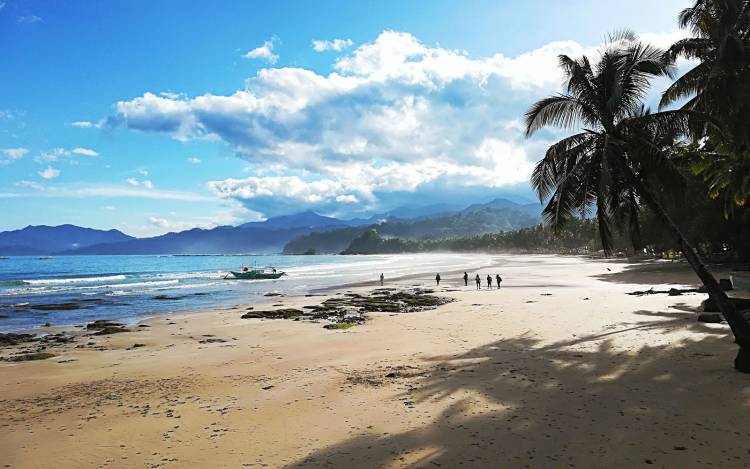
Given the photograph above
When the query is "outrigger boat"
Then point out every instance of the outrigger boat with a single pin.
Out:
(255, 274)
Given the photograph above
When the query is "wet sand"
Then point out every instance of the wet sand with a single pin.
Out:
(559, 368)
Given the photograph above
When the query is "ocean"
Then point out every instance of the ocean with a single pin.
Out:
(127, 288)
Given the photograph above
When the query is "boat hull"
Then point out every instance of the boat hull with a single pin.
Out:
(255, 275)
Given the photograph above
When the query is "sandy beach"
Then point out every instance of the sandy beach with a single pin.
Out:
(559, 368)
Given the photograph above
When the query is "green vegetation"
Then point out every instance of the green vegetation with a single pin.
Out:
(625, 158)
(340, 325)
(578, 238)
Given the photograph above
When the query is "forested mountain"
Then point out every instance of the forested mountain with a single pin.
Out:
(495, 216)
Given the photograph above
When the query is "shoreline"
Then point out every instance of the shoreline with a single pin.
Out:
(558, 367)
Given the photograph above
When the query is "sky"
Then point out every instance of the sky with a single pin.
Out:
(151, 117)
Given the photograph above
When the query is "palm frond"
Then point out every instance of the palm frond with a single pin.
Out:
(558, 111)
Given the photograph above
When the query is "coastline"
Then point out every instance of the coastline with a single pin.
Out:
(558, 367)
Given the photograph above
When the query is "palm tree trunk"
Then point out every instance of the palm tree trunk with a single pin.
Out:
(737, 321)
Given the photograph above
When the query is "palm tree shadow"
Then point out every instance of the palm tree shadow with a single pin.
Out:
(584, 403)
(652, 273)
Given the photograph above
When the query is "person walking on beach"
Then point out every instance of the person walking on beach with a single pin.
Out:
(382, 277)
(489, 282)
(437, 279)
(466, 279)
(479, 282)
(499, 280)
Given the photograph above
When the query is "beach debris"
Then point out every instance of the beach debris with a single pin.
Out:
(211, 340)
(272, 294)
(267, 387)
(670, 292)
(710, 317)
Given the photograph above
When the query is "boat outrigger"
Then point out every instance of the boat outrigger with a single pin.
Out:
(255, 274)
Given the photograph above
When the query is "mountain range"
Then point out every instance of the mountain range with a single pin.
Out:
(291, 234)
(477, 219)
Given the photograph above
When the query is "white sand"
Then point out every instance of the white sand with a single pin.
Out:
(560, 368)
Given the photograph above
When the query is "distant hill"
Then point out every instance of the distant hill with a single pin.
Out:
(298, 233)
(309, 219)
(268, 236)
(497, 215)
(220, 240)
(35, 240)
(407, 213)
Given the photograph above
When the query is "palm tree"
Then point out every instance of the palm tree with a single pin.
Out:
(620, 151)
(718, 86)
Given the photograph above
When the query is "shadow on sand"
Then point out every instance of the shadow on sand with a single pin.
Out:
(578, 403)
(653, 273)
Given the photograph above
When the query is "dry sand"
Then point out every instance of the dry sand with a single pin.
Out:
(560, 368)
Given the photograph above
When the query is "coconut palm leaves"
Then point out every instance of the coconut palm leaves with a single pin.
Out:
(594, 168)
(718, 86)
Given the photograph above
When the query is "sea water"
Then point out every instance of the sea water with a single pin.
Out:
(127, 288)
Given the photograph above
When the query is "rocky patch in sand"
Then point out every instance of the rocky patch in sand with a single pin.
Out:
(351, 308)
(106, 327)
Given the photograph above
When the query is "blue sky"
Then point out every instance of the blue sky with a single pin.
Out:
(160, 116)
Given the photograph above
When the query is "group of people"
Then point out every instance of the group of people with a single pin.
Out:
(477, 279)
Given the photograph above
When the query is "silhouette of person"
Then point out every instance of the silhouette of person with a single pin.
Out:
(437, 279)
(499, 280)
(466, 279)
(382, 277)
(479, 282)
(489, 281)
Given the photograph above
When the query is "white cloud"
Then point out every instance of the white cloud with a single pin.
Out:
(320, 45)
(194, 160)
(87, 124)
(264, 52)
(85, 151)
(49, 173)
(130, 192)
(396, 116)
(29, 185)
(160, 222)
(29, 19)
(146, 184)
(54, 154)
(231, 214)
(11, 154)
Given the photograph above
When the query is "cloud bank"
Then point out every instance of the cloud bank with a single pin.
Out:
(395, 119)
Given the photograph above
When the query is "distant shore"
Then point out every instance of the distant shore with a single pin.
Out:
(559, 367)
